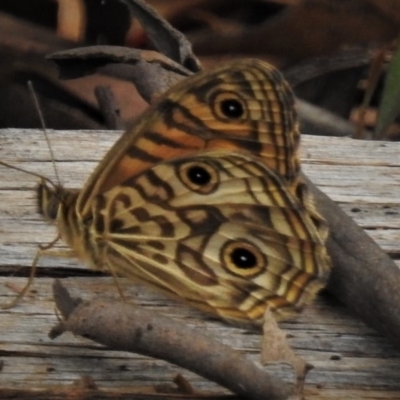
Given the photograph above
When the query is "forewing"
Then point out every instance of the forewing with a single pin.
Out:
(242, 106)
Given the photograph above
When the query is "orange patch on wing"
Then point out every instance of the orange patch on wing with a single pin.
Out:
(277, 302)
(129, 166)
(222, 144)
(124, 170)
(180, 118)
(257, 312)
(297, 286)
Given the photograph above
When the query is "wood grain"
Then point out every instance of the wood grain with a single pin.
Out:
(350, 360)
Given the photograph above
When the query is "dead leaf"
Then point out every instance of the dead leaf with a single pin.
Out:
(276, 349)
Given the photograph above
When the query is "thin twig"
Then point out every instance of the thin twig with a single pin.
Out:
(108, 107)
(166, 39)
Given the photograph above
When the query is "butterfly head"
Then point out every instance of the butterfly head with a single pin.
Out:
(51, 197)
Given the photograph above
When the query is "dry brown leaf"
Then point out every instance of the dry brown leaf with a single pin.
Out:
(276, 349)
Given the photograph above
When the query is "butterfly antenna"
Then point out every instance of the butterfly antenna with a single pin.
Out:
(28, 172)
(39, 110)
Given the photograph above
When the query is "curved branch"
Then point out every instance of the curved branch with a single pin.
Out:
(363, 276)
(127, 328)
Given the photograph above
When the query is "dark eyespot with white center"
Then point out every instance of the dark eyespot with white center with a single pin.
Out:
(199, 176)
(243, 258)
(229, 106)
(232, 108)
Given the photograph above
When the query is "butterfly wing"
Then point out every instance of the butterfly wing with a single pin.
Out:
(217, 229)
(242, 106)
(202, 198)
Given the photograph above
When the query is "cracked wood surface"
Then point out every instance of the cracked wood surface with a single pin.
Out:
(350, 359)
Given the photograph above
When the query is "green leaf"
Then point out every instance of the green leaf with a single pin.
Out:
(390, 103)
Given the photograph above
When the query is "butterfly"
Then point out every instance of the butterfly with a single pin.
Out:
(203, 199)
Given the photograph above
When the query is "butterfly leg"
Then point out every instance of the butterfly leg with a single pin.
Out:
(49, 245)
(43, 250)
(115, 279)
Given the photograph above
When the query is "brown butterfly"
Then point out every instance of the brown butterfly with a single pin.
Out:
(202, 199)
